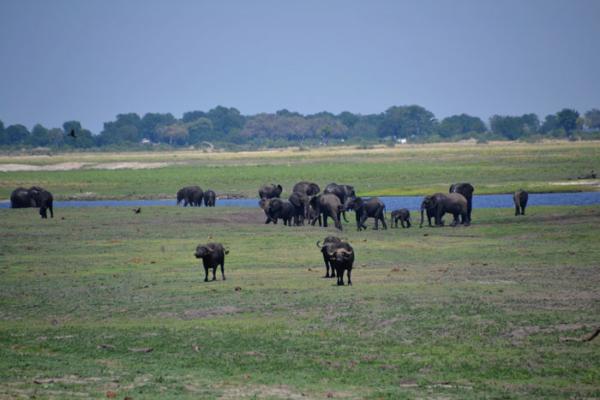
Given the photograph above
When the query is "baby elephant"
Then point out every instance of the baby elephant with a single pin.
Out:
(341, 257)
(212, 254)
(403, 215)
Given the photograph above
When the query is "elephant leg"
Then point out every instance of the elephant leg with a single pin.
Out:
(344, 216)
(205, 274)
(376, 226)
(361, 223)
(516, 210)
(325, 219)
(51, 212)
(383, 221)
(223, 269)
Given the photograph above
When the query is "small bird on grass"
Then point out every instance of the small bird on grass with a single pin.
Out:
(137, 210)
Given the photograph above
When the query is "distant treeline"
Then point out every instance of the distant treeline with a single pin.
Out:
(227, 127)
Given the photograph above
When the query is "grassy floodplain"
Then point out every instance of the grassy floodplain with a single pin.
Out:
(102, 302)
(463, 313)
(403, 170)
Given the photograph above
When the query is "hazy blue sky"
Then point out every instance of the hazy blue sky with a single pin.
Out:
(90, 60)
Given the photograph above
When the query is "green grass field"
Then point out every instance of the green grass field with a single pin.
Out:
(404, 170)
(444, 313)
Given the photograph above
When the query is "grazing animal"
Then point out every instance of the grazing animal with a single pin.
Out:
(210, 197)
(212, 255)
(276, 208)
(343, 192)
(35, 196)
(326, 205)
(270, 191)
(341, 257)
(327, 243)
(439, 203)
(466, 189)
(371, 208)
(190, 195)
(520, 198)
(402, 215)
(307, 189)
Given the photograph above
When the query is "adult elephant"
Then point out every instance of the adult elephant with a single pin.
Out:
(327, 205)
(300, 201)
(371, 208)
(308, 189)
(277, 209)
(270, 191)
(21, 198)
(344, 192)
(190, 195)
(439, 204)
(35, 196)
(466, 189)
(520, 198)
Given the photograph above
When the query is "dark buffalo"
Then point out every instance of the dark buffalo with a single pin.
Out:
(341, 257)
(327, 243)
(212, 255)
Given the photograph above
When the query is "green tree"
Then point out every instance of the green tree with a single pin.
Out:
(462, 124)
(39, 136)
(348, 119)
(192, 116)
(592, 119)
(513, 127)
(16, 134)
(567, 119)
(200, 130)
(225, 120)
(175, 134)
(3, 138)
(407, 121)
(550, 124)
(126, 128)
(151, 123)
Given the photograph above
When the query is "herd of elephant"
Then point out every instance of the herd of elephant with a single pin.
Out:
(307, 204)
(194, 196)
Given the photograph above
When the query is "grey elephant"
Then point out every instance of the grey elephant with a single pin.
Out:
(210, 198)
(270, 191)
(343, 192)
(402, 215)
(300, 201)
(35, 196)
(276, 209)
(326, 205)
(520, 198)
(371, 208)
(440, 203)
(466, 189)
(190, 195)
(308, 189)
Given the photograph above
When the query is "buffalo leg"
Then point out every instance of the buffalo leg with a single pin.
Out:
(223, 270)
(214, 270)
(205, 274)
(349, 277)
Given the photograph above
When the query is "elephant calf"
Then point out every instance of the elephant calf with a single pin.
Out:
(402, 215)
(520, 198)
(341, 257)
(210, 197)
(212, 254)
(327, 244)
